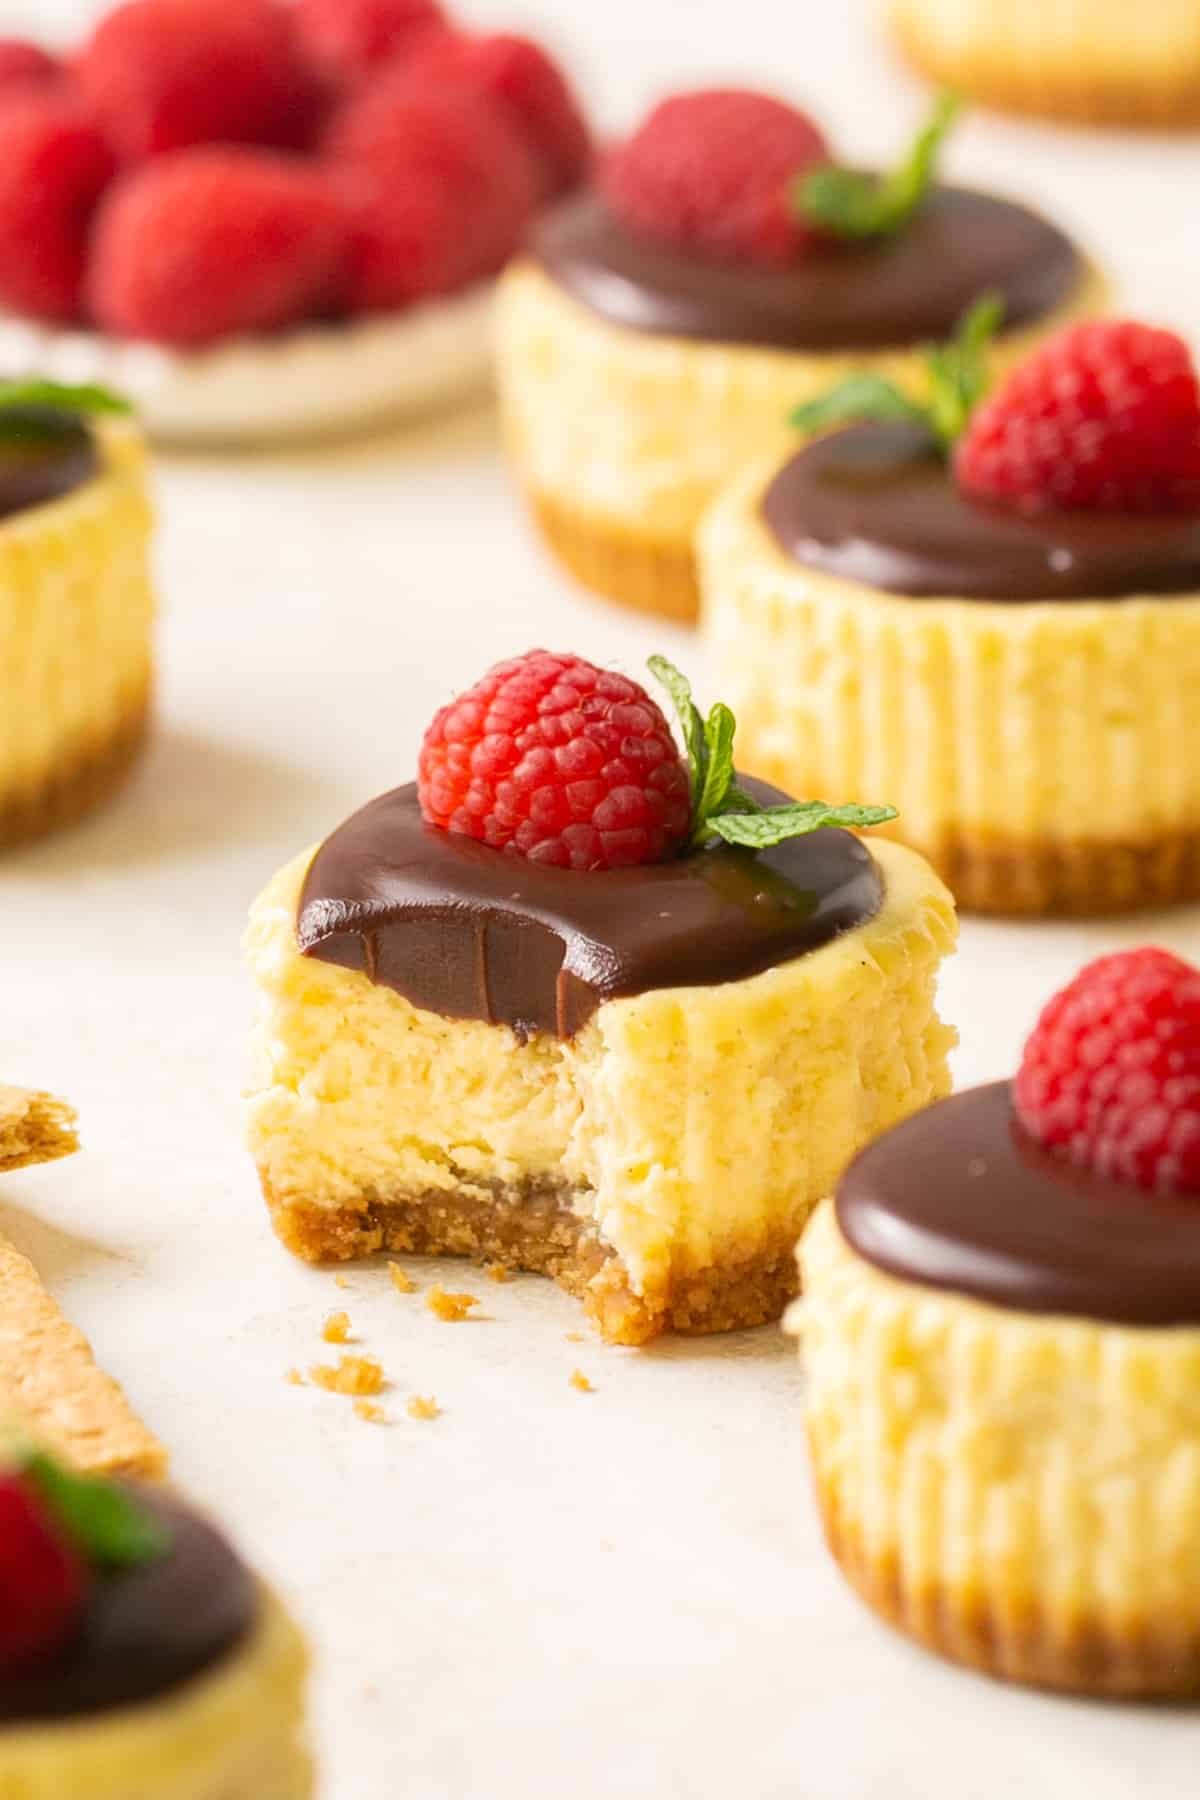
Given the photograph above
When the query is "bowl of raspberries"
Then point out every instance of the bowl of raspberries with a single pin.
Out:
(270, 218)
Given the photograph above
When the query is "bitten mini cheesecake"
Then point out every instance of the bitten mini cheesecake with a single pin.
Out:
(574, 1003)
(662, 322)
(1001, 1332)
(138, 1655)
(995, 604)
(76, 603)
(1099, 62)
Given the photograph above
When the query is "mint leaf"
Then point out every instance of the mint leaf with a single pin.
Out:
(690, 722)
(958, 372)
(106, 1524)
(775, 824)
(858, 397)
(851, 204)
(58, 396)
(718, 773)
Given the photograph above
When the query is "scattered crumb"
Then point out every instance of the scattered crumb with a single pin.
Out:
(498, 1272)
(294, 1378)
(340, 1281)
(336, 1329)
(580, 1381)
(575, 1337)
(367, 1409)
(353, 1375)
(402, 1281)
(423, 1406)
(449, 1306)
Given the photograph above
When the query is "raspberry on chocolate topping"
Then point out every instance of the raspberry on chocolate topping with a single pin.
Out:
(1111, 1075)
(43, 1578)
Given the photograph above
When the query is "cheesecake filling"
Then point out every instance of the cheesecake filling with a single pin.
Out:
(842, 295)
(960, 1197)
(876, 504)
(45, 455)
(466, 932)
(146, 1629)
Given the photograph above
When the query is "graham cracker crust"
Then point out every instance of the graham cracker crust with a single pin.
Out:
(1082, 879)
(536, 1229)
(85, 774)
(649, 576)
(34, 1128)
(1146, 1660)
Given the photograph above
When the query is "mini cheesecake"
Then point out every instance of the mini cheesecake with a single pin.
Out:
(1024, 682)
(76, 614)
(1097, 62)
(638, 378)
(638, 1081)
(1003, 1402)
(182, 1679)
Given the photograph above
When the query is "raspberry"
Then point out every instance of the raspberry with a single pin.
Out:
(159, 75)
(550, 758)
(42, 1580)
(213, 243)
(1111, 1076)
(517, 77)
(346, 39)
(1106, 416)
(406, 243)
(410, 139)
(54, 166)
(712, 171)
(23, 64)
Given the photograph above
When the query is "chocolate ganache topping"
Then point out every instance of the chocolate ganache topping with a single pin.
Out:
(877, 504)
(57, 456)
(841, 295)
(960, 1197)
(146, 1629)
(473, 933)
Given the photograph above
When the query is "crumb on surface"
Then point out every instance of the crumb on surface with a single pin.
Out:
(402, 1281)
(423, 1406)
(336, 1329)
(368, 1410)
(580, 1382)
(449, 1306)
(353, 1375)
(340, 1281)
(294, 1378)
(575, 1337)
(498, 1271)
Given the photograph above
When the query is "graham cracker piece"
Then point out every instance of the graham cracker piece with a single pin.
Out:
(51, 1386)
(34, 1128)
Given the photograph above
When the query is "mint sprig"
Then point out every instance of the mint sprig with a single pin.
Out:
(851, 204)
(722, 809)
(104, 1522)
(957, 374)
(33, 410)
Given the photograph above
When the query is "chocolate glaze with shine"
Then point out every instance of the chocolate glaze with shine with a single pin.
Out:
(839, 295)
(474, 933)
(58, 456)
(146, 1630)
(877, 504)
(960, 1197)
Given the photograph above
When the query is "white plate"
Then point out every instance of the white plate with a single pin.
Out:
(318, 381)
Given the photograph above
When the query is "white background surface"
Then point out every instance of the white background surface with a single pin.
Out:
(544, 1593)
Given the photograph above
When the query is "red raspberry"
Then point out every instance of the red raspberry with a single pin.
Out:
(1106, 416)
(515, 75)
(54, 166)
(42, 1580)
(713, 171)
(23, 64)
(410, 139)
(214, 243)
(406, 243)
(1111, 1076)
(160, 75)
(551, 758)
(346, 39)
